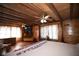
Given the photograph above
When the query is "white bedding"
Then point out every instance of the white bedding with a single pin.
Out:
(50, 48)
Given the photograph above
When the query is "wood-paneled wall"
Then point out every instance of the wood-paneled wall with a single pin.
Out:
(36, 32)
(73, 36)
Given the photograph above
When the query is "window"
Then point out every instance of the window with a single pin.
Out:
(70, 32)
(44, 31)
(15, 32)
(51, 31)
(4, 32)
(9, 32)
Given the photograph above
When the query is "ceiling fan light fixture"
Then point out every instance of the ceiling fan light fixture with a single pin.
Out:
(46, 17)
(43, 21)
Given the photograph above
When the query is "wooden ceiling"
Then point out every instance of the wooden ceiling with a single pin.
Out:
(30, 13)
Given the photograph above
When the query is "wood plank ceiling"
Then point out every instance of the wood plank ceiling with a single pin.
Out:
(30, 13)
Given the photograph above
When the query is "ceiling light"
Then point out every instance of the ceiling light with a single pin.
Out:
(45, 21)
(42, 21)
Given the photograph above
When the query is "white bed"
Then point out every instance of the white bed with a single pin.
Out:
(48, 48)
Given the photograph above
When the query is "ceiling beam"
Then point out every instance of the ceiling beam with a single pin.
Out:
(33, 8)
(30, 17)
(11, 12)
(2, 23)
(54, 10)
(7, 19)
(10, 16)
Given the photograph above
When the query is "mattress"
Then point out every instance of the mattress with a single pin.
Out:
(48, 48)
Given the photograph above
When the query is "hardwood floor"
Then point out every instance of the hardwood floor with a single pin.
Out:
(21, 45)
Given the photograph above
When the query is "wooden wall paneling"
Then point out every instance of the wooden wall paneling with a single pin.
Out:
(36, 32)
(72, 38)
(22, 35)
(73, 23)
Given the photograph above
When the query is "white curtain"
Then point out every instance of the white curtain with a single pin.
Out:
(15, 32)
(51, 31)
(9, 32)
(70, 32)
(54, 32)
(4, 32)
(44, 31)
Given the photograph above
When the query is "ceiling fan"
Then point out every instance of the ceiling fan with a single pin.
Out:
(44, 18)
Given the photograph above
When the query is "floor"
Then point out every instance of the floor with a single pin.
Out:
(47, 48)
(21, 45)
(16, 47)
(51, 48)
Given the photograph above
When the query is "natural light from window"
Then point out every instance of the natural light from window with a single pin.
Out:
(9, 32)
(70, 30)
(51, 31)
